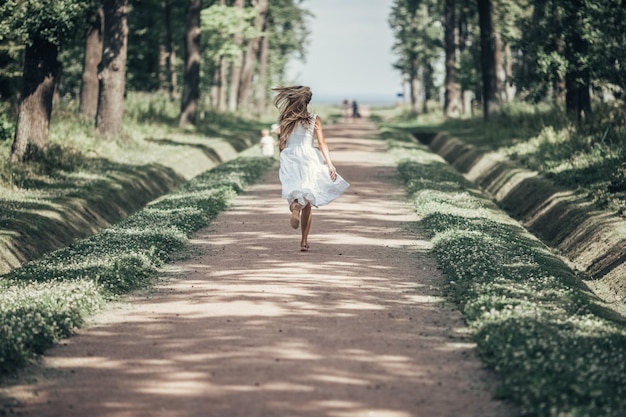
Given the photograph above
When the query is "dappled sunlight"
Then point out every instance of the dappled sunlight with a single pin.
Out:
(250, 326)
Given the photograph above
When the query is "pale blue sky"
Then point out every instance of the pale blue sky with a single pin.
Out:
(350, 50)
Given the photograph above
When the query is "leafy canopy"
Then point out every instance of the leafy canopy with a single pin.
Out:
(51, 20)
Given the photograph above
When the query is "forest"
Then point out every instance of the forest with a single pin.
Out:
(91, 54)
(495, 52)
(139, 108)
(542, 82)
(224, 57)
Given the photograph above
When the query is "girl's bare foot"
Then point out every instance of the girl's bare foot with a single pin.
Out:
(295, 208)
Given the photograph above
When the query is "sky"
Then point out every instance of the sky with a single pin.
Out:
(349, 54)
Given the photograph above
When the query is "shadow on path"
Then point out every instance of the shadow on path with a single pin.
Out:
(249, 326)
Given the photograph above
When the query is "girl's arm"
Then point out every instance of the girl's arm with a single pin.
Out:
(324, 148)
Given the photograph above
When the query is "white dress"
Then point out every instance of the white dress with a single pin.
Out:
(304, 174)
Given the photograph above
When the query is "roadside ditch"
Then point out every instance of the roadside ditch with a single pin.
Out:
(32, 230)
(593, 242)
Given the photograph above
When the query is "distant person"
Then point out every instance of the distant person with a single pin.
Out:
(268, 143)
(345, 109)
(308, 177)
(355, 110)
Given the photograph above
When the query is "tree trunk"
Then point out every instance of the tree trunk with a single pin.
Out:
(499, 64)
(509, 87)
(221, 104)
(487, 58)
(262, 86)
(191, 89)
(215, 85)
(577, 78)
(41, 69)
(112, 74)
(93, 55)
(218, 98)
(452, 99)
(414, 86)
(233, 91)
(577, 97)
(428, 84)
(251, 58)
(235, 69)
(168, 55)
(218, 91)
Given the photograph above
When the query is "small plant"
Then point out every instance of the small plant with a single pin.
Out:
(7, 128)
(583, 155)
(48, 298)
(556, 350)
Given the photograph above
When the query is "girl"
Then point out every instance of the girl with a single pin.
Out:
(307, 175)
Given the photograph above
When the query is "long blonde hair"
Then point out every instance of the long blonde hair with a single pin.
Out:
(292, 103)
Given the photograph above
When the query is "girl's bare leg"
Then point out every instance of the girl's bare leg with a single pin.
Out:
(306, 218)
(295, 209)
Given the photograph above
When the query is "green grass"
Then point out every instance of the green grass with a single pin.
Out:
(587, 156)
(48, 298)
(86, 182)
(89, 183)
(150, 136)
(557, 351)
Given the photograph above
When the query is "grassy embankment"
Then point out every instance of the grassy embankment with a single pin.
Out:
(46, 299)
(555, 347)
(589, 157)
(85, 183)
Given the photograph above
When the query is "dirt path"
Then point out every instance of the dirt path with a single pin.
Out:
(251, 327)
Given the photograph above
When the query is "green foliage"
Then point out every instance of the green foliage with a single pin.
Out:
(146, 37)
(7, 128)
(34, 315)
(48, 298)
(583, 156)
(418, 33)
(556, 350)
(143, 108)
(10, 72)
(220, 24)
(53, 21)
(56, 160)
(607, 38)
(289, 36)
(224, 31)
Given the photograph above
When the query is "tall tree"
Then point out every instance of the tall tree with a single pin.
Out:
(191, 88)
(168, 52)
(404, 22)
(452, 96)
(112, 69)
(578, 76)
(468, 73)
(93, 55)
(262, 84)
(235, 66)
(417, 29)
(607, 37)
(251, 58)
(217, 25)
(42, 27)
(40, 71)
(222, 28)
(487, 58)
(507, 17)
(289, 36)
